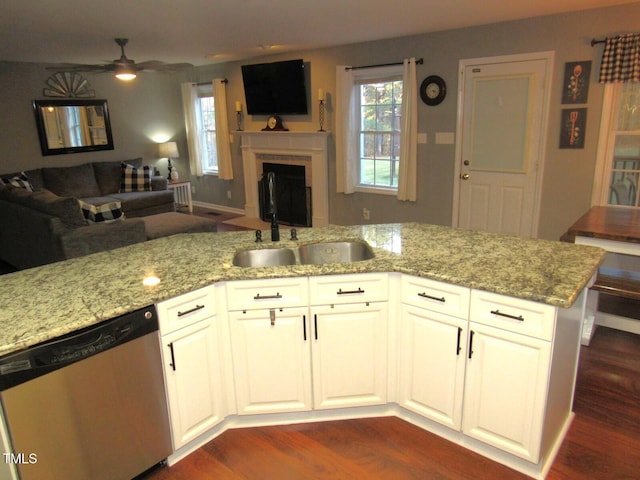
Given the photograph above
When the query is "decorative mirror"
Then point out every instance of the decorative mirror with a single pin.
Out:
(73, 126)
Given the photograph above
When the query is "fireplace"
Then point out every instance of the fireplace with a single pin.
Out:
(305, 149)
(293, 197)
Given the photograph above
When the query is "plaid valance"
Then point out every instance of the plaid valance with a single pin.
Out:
(621, 59)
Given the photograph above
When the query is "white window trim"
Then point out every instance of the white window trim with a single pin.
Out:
(383, 74)
(606, 146)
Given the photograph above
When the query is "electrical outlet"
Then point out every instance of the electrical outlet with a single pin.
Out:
(193, 189)
(229, 194)
(366, 214)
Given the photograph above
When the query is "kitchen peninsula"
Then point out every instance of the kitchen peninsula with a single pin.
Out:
(470, 272)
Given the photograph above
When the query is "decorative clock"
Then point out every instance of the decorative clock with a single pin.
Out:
(274, 124)
(433, 90)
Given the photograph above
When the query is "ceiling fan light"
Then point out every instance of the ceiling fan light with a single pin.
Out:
(125, 73)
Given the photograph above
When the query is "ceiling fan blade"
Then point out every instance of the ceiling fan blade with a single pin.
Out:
(158, 66)
(75, 67)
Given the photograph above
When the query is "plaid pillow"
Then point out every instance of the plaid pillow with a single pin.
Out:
(21, 181)
(105, 213)
(135, 179)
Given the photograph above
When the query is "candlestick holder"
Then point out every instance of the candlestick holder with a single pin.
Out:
(321, 111)
(239, 120)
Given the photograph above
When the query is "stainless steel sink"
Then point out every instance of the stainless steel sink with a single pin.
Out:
(335, 252)
(264, 257)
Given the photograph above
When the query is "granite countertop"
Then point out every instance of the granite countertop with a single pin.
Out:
(49, 301)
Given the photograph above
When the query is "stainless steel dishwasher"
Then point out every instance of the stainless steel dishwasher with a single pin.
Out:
(90, 405)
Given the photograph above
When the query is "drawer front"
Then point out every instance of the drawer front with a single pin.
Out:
(267, 293)
(350, 288)
(186, 309)
(513, 314)
(436, 296)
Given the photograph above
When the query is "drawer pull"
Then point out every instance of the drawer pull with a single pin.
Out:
(471, 334)
(349, 292)
(194, 309)
(458, 348)
(499, 313)
(424, 295)
(267, 297)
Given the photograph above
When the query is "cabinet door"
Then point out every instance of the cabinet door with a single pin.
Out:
(194, 387)
(271, 360)
(432, 361)
(505, 390)
(350, 355)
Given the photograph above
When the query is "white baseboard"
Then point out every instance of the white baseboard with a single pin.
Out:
(219, 208)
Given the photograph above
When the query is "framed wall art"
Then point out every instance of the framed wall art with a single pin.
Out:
(573, 125)
(576, 82)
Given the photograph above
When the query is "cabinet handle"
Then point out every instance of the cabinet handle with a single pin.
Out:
(471, 343)
(191, 310)
(513, 317)
(173, 359)
(266, 297)
(458, 348)
(315, 326)
(424, 295)
(349, 292)
(304, 327)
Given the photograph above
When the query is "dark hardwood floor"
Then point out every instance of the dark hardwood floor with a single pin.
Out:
(603, 442)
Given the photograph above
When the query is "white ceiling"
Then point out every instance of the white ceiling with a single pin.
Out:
(82, 31)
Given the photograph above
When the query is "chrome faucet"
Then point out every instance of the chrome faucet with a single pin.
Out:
(273, 209)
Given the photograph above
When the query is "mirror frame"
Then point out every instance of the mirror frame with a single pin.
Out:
(38, 105)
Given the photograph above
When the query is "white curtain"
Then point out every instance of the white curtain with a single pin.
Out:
(189, 96)
(225, 168)
(408, 173)
(346, 131)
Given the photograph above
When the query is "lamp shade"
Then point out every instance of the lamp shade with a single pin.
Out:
(168, 150)
(125, 72)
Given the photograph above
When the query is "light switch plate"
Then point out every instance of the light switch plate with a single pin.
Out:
(444, 138)
(422, 138)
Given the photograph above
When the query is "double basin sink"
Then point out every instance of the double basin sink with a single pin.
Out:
(314, 253)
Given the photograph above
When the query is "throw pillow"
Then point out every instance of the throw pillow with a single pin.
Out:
(20, 180)
(105, 213)
(135, 179)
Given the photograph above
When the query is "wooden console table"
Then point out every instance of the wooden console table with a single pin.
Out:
(617, 230)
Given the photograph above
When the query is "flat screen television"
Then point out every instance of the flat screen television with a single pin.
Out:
(275, 88)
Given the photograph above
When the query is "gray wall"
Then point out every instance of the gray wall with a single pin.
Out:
(149, 110)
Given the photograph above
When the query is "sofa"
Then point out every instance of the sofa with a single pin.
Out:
(46, 213)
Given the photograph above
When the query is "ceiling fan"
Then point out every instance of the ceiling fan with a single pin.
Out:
(124, 68)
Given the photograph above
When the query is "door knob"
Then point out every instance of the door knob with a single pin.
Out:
(464, 176)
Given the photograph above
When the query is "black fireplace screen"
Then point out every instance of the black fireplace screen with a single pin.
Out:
(293, 197)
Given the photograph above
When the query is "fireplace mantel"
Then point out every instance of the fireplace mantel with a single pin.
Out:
(313, 145)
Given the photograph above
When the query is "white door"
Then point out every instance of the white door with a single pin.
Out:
(505, 390)
(349, 355)
(271, 360)
(432, 364)
(194, 385)
(503, 106)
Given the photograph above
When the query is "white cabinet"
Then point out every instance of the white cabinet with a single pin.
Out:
(505, 390)
(271, 360)
(270, 337)
(288, 358)
(350, 355)
(507, 374)
(433, 348)
(191, 361)
(349, 349)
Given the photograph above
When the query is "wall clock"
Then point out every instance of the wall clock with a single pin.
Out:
(433, 90)
(274, 123)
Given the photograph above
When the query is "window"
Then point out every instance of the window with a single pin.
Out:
(380, 125)
(205, 111)
(619, 148)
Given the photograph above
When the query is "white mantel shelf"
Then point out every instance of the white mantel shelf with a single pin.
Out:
(303, 144)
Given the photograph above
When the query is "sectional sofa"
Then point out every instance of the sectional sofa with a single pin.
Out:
(56, 213)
